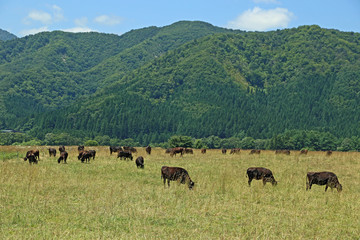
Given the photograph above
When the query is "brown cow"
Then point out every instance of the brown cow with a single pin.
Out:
(261, 173)
(139, 162)
(52, 152)
(148, 150)
(130, 149)
(323, 178)
(223, 151)
(255, 151)
(63, 157)
(85, 156)
(286, 152)
(188, 151)
(176, 150)
(235, 150)
(93, 153)
(176, 174)
(304, 152)
(328, 153)
(203, 151)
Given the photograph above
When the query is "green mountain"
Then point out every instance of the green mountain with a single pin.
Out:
(189, 78)
(5, 35)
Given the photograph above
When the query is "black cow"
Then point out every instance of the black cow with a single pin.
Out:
(223, 151)
(323, 178)
(259, 173)
(188, 151)
(115, 149)
(52, 152)
(139, 162)
(81, 148)
(176, 174)
(31, 157)
(93, 153)
(63, 157)
(148, 150)
(125, 155)
(35, 152)
(62, 149)
(84, 156)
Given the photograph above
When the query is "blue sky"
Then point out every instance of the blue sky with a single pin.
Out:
(22, 17)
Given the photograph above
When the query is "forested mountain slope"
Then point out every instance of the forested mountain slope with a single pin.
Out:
(191, 78)
(5, 35)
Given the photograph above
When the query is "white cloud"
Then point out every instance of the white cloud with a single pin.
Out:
(41, 16)
(258, 19)
(78, 29)
(33, 31)
(58, 13)
(108, 20)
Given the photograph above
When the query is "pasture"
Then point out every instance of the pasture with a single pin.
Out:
(110, 198)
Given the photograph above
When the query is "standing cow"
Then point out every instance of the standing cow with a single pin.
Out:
(125, 155)
(148, 150)
(139, 162)
(52, 152)
(323, 178)
(63, 157)
(176, 174)
(31, 157)
(36, 153)
(259, 173)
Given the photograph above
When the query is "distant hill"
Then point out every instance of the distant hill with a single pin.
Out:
(5, 35)
(188, 78)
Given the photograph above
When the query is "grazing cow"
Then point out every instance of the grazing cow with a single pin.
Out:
(260, 173)
(323, 178)
(286, 152)
(188, 151)
(115, 149)
(130, 149)
(304, 152)
(84, 156)
(235, 150)
(176, 150)
(31, 157)
(62, 149)
(148, 150)
(139, 162)
(328, 153)
(52, 152)
(176, 174)
(125, 155)
(92, 153)
(223, 151)
(81, 148)
(63, 157)
(168, 150)
(255, 151)
(35, 152)
(203, 151)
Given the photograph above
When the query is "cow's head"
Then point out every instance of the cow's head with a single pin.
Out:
(339, 187)
(25, 158)
(273, 181)
(191, 184)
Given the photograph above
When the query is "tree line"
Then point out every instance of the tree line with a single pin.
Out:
(290, 140)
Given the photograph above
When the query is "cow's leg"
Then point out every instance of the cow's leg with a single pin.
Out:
(168, 182)
(164, 181)
(326, 187)
(249, 182)
(264, 181)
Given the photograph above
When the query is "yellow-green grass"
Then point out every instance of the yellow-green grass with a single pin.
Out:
(112, 199)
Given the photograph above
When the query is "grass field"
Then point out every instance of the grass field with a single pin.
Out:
(112, 199)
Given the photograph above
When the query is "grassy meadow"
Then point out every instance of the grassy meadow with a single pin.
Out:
(112, 199)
